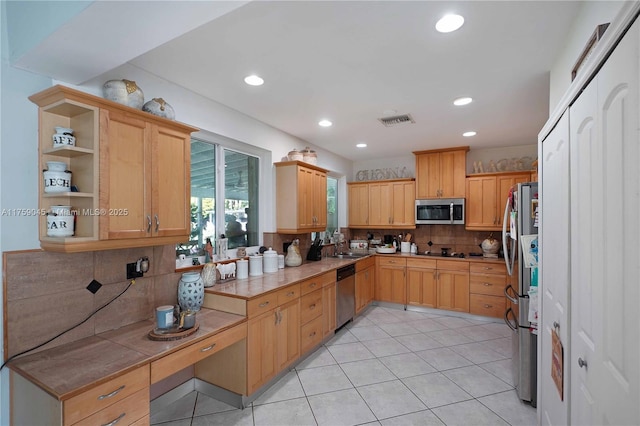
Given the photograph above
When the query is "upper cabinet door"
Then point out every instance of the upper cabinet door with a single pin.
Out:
(441, 173)
(358, 204)
(125, 176)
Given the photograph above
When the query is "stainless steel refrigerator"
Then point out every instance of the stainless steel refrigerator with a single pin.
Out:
(520, 219)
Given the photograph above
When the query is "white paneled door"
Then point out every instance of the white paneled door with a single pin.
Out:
(554, 267)
(605, 180)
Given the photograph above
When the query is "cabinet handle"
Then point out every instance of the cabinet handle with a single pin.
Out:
(148, 223)
(312, 306)
(487, 284)
(312, 285)
(208, 348)
(392, 261)
(488, 306)
(314, 333)
(263, 304)
(157, 223)
(109, 395)
(488, 268)
(116, 420)
(291, 293)
(434, 275)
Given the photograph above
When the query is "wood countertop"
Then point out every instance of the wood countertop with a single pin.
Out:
(70, 369)
(255, 286)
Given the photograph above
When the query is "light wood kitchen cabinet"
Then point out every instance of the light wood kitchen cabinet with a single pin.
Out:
(441, 173)
(130, 168)
(422, 282)
(301, 197)
(486, 288)
(358, 204)
(125, 397)
(145, 178)
(329, 312)
(273, 335)
(486, 197)
(453, 285)
(382, 204)
(365, 283)
(390, 280)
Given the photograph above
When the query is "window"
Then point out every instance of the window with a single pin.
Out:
(332, 204)
(224, 196)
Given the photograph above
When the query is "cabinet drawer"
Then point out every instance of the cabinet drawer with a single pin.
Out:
(363, 264)
(453, 265)
(422, 263)
(288, 294)
(391, 261)
(262, 304)
(183, 358)
(310, 306)
(491, 306)
(106, 394)
(310, 335)
(129, 410)
(488, 268)
(489, 284)
(315, 283)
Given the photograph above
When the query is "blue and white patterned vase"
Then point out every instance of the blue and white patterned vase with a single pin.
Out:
(190, 291)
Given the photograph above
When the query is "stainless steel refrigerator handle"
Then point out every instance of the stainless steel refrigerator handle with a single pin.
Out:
(515, 320)
(506, 293)
(451, 212)
(506, 235)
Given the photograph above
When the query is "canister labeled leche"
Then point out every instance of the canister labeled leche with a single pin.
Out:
(270, 260)
(255, 265)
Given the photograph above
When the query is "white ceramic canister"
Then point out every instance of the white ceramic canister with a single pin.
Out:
(56, 177)
(270, 259)
(242, 269)
(63, 137)
(60, 222)
(255, 265)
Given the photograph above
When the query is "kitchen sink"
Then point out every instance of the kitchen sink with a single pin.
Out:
(349, 256)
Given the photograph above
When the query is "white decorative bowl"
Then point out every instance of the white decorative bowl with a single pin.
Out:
(159, 107)
(124, 92)
(387, 250)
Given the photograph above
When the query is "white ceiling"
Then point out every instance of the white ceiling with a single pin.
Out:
(350, 61)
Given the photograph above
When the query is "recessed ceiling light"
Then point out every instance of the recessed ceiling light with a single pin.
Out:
(361, 145)
(449, 23)
(324, 123)
(468, 134)
(253, 80)
(462, 101)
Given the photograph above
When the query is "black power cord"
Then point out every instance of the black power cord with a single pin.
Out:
(67, 330)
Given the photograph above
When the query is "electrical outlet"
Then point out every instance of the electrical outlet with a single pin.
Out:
(131, 271)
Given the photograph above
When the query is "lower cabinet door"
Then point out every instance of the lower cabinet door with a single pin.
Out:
(288, 335)
(453, 290)
(262, 357)
(329, 309)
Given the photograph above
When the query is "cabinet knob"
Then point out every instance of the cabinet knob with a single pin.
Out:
(488, 306)
(487, 284)
(582, 363)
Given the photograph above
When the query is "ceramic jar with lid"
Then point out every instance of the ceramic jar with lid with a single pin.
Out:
(309, 156)
(124, 92)
(295, 155)
(57, 178)
(60, 222)
(490, 247)
(63, 137)
(270, 261)
(255, 265)
(191, 291)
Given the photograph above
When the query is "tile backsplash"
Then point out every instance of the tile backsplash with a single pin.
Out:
(45, 293)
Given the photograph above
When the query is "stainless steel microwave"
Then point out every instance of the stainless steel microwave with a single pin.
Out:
(441, 211)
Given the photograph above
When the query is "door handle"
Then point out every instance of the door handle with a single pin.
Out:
(451, 212)
(513, 299)
(582, 363)
(157, 223)
(148, 223)
(513, 326)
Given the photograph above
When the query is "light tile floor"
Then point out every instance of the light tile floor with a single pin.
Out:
(387, 367)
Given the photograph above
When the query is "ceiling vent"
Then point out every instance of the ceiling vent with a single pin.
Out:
(396, 120)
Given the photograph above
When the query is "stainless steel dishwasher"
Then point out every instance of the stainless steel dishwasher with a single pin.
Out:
(345, 294)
